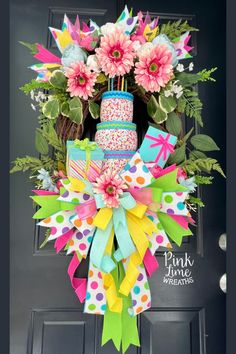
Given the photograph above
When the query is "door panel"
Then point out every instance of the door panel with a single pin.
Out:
(46, 316)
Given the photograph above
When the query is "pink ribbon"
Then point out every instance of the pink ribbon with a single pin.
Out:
(44, 192)
(165, 145)
(182, 220)
(143, 196)
(150, 263)
(45, 56)
(62, 240)
(78, 284)
(86, 210)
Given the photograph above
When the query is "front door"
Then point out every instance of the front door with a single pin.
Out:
(187, 317)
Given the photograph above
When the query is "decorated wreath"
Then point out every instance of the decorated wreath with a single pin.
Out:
(108, 200)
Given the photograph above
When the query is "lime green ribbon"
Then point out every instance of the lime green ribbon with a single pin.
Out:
(87, 146)
(121, 328)
(50, 205)
(168, 183)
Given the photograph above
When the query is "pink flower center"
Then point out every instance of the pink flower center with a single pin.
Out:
(116, 53)
(81, 80)
(153, 68)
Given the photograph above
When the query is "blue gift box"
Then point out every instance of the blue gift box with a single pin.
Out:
(84, 159)
(77, 154)
(157, 146)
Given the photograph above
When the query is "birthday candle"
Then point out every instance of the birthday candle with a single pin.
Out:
(118, 85)
(112, 84)
(122, 84)
(109, 86)
(126, 85)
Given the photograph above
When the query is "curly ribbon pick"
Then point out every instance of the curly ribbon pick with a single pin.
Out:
(79, 284)
(164, 143)
(87, 146)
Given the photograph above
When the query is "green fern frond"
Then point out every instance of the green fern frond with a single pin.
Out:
(192, 106)
(203, 179)
(205, 75)
(206, 165)
(35, 85)
(175, 29)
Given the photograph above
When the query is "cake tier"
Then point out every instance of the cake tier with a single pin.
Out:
(116, 106)
(114, 164)
(116, 135)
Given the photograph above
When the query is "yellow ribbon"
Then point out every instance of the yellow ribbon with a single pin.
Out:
(138, 228)
(103, 218)
(76, 184)
(114, 302)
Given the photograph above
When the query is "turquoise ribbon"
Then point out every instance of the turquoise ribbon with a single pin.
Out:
(101, 237)
(100, 240)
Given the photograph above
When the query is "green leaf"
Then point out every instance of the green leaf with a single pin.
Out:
(186, 137)
(101, 78)
(195, 154)
(204, 142)
(31, 46)
(76, 115)
(178, 155)
(167, 104)
(58, 79)
(75, 102)
(65, 109)
(155, 111)
(174, 124)
(186, 79)
(181, 104)
(51, 109)
(47, 234)
(76, 110)
(94, 109)
(41, 144)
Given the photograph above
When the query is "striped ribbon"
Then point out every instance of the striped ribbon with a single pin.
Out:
(118, 154)
(116, 124)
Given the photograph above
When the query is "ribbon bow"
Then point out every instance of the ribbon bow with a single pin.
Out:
(164, 143)
(87, 146)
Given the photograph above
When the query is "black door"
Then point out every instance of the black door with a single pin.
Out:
(46, 317)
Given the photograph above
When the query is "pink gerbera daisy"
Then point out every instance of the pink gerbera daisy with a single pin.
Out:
(116, 53)
(111, 186)
(154, 69)
(81, 80)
